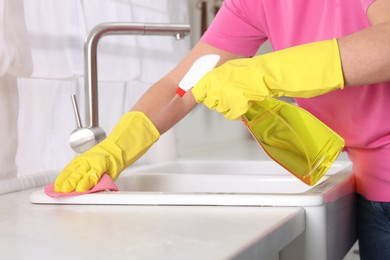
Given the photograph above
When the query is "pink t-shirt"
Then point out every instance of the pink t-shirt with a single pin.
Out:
(358, 114)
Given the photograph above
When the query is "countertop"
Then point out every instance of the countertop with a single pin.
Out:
(31, 231)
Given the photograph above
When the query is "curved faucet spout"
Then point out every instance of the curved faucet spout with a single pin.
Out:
(90, 52)
(91, 78)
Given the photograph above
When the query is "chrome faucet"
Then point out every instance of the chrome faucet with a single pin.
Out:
(83, 138)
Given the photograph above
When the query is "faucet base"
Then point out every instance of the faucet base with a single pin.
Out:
(82, 139)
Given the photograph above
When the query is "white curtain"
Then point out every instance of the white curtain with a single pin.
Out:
(41, 65)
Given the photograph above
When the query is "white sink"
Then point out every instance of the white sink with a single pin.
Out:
(262, 183)
(329, 204)
(237, 183)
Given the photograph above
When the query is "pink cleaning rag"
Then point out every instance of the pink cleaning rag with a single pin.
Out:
(105, 183)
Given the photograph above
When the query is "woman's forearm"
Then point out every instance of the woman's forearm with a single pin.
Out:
(163, 107)
(365, 55)
(161, 104)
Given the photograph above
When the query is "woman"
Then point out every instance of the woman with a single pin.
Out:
(340, 47)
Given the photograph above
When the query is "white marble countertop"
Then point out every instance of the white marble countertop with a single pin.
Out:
(31, 231)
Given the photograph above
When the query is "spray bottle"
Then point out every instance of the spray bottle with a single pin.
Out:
(290, 135)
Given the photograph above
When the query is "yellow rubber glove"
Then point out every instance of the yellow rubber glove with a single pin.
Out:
(302, 71)
(128, 141)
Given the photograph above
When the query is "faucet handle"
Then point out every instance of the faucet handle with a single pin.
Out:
(76, 111)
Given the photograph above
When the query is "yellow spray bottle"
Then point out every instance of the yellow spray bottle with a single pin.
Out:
(294, 138)
(290, 135)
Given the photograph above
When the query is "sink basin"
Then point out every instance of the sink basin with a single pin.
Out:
(329, 205)
(238, 183)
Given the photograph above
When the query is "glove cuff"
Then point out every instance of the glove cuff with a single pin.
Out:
(132, 136)
(303, 71)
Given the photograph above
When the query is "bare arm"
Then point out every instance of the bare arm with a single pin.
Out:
(365, 55)
(161, 104)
